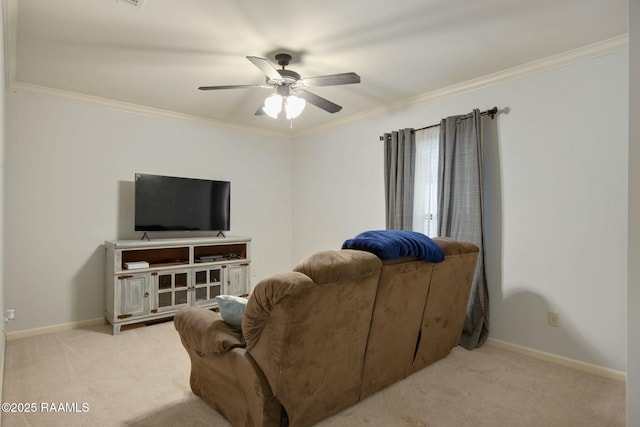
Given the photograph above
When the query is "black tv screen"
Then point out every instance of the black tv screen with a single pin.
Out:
(167, 203)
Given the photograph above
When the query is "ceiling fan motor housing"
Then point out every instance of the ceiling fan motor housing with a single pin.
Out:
(283, 59)
(289, 76)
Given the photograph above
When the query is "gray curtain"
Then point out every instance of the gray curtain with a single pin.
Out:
(399, 164)
(460, 210)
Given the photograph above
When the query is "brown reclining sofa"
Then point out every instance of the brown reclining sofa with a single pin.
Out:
(343, 325)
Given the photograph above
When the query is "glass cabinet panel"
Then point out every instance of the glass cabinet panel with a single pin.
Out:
(181, 297)
(201, 294)
(164, 281)
(207, 285)
(201, 277)
(214, 291)
(164, 300)
(181, 280)
(172, 289)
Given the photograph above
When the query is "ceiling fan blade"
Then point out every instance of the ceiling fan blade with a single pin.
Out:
(319, 101)
(332, 80)
(233, 87)
(266, 67)
(260, 111)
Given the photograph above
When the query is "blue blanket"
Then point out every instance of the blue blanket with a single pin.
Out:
(389, 244)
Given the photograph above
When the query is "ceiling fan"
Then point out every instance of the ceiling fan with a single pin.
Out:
(290, 89)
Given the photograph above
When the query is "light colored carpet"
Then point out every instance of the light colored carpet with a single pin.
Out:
(141, 378)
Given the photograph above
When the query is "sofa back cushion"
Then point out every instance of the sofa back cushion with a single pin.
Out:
(446, 308)
(396, 323)
(266, 295)
(307, 330)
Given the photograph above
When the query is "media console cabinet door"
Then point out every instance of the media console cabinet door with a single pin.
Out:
(237, 279)
(207, 285)
(172, 289)
(134, 295)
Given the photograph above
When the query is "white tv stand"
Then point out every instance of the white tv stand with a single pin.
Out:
(181, 273)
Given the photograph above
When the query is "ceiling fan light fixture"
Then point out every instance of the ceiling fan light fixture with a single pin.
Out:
(273, 105)
(293, 106)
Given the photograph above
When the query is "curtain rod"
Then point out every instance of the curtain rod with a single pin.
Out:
(491, 113)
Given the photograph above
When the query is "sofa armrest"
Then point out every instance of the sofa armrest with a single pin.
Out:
(223, 374)
(204, 331)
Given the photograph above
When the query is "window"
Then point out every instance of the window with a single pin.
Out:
(425, 199)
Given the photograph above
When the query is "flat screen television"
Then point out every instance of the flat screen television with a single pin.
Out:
(167, 203)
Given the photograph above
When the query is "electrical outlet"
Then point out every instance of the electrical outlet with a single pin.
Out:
(553, 318)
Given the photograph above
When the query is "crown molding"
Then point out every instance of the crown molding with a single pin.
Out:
(10, 35)
(553, 62)
(135, 108)
(594, 50)
(10, 15)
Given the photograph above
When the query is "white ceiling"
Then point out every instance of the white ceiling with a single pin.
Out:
(158, 54)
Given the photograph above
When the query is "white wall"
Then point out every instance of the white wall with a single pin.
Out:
(338, 188)
(633, 291)
(556, 181)
(69, 175)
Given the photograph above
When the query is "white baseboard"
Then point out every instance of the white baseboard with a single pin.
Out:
(560, 360)
(54, 328)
